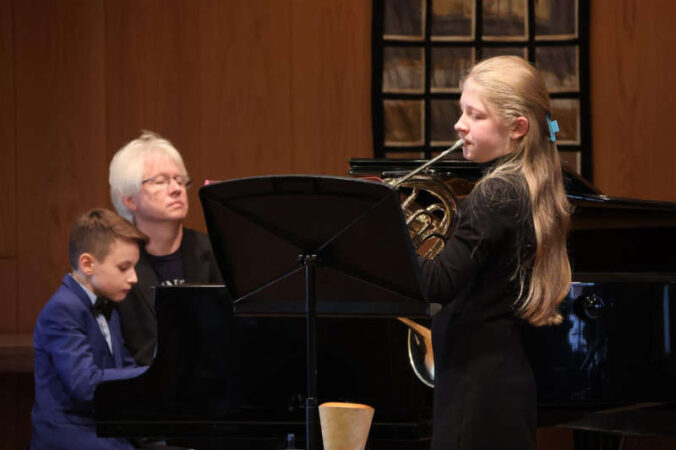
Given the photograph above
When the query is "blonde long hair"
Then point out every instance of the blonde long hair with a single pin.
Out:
(513, 88)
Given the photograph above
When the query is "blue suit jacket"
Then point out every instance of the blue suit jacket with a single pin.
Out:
(71, 359)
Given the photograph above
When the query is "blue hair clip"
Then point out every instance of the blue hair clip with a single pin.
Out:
(553, 128)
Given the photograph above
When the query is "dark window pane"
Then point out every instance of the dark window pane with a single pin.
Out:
(403, 69)
(567, 113)
(559, 67)
(572, 160)
(556, 18)
(405, 18)
(452, 19)
(448, 66)
(489, 52)
(404, 155)
(403, 122)
(505, 19)
(444, 115)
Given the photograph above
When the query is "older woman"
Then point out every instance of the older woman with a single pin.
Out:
(148, 186)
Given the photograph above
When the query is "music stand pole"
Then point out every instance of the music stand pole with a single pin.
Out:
(310, 262)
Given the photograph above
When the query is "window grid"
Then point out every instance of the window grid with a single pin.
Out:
(578, 150)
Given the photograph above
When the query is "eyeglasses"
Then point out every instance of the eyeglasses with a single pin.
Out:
(163, 181)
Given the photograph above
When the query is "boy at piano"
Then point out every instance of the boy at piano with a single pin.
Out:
(77, 339)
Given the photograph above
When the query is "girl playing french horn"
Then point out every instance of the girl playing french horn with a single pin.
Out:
(504, 268)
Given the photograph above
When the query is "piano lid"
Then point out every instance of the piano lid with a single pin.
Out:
(575, 184)
(611, 238)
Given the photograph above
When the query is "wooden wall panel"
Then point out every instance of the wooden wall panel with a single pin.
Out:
(7, 122)
(213, 77)
(331, 83)
(150, 81)
(8, 303)
(60, 137)
(242, 88)
(246, 126)
(633, 95)
(245, 114)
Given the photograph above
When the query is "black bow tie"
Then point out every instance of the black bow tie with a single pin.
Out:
(103, 306)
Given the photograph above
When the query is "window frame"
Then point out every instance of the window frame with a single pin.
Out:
(582, 149)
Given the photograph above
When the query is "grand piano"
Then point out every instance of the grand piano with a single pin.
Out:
(228, 376)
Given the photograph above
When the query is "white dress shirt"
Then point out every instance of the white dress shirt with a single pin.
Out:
(103, 323)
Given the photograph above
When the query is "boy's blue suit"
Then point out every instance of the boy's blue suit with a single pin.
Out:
(71, 359)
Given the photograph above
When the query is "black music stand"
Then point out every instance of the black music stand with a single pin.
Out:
(341, 244)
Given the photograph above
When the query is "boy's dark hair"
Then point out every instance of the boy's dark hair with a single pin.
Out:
(95, 231)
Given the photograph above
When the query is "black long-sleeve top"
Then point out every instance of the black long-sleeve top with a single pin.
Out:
(484, 387)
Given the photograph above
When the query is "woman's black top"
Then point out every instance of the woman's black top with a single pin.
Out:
(484, 395)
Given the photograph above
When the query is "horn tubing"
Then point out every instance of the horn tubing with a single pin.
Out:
(443, 154)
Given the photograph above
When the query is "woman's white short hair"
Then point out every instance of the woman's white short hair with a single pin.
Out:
(128, 164)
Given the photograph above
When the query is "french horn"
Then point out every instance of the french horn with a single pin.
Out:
(430, 208)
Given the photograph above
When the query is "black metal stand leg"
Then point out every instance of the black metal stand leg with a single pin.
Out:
(311, 412)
